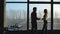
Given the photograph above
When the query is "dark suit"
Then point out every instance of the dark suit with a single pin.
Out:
(34, 20)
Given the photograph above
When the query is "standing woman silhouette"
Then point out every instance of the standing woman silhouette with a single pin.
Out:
(45, 20)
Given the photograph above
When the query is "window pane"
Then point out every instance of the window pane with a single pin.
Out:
(16, 16)
(41, 0)
(16, 0)
(56, 0)
(56, 17)
(40, 13)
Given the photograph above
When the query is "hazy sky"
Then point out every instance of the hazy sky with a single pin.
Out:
(15, 8)
(40, 8)
(56, 10)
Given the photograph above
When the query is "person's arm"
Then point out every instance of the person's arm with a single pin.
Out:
(37, 17)
(44, 17)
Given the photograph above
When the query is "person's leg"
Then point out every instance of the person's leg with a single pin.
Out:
(32, 26)
(46, 28)
(35, 28)
(44, 25)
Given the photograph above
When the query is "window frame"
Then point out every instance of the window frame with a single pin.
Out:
(38, 2)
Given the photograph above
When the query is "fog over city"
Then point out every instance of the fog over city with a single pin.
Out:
(17, 13)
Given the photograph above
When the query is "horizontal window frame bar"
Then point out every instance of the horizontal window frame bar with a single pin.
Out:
(16, 2)
(36, 2)
(56, 2)
(40, 2)
(45, 2)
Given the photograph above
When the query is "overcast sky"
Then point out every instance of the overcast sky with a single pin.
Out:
(40, 8)
(56, 10)
(15, 8)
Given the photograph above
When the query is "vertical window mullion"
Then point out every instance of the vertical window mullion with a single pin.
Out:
(28, 15)
(51, 14)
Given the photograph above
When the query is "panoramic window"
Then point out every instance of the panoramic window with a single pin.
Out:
(40, 13)
(56, 9)
(15, 17)
(18, 14)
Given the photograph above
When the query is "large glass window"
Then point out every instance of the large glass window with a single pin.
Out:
(56, 10)
(18, 14)
(15, 17)
(40, 13)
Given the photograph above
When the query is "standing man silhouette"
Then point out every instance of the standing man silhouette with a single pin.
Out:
(34, 19)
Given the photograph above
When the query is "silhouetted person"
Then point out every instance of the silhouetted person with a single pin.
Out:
(34, 19)
(45, 20)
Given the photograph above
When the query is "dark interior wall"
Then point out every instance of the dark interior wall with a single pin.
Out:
(1, 15)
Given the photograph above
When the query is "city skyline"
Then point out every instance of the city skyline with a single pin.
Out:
(40, 8)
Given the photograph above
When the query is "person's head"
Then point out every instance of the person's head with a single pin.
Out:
(45, 10)
(34, 9)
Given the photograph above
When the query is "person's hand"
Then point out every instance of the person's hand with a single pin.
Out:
(42, 18)
(38, 19)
